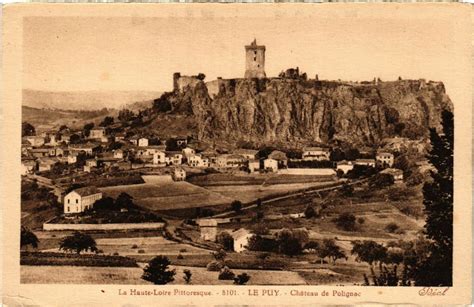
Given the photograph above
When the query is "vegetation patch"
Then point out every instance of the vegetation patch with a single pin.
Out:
(47, 258)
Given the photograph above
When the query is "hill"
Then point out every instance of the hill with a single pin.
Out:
(49, 118)
(296, 111)
(84, 100)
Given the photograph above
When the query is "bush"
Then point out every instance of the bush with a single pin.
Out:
(381, 181)
(180, 256)
(226, 274)
(392, 227)
(361, 220)
(157, 271)
(226, 240)
(183, 250)
(309, 212)
(241, 279)
(214, 266)
(141, 251)
(115, 254)
(345, 221)
(134, 246)
(187, 276)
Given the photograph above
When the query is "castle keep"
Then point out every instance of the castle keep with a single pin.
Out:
(254, 60)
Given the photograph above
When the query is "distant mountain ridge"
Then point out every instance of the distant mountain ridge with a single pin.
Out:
(87, 100)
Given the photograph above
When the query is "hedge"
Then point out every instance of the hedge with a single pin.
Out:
(50, 258)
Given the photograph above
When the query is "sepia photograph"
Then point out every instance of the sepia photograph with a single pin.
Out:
(242, 146)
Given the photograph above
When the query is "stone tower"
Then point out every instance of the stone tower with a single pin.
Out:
(254, 60)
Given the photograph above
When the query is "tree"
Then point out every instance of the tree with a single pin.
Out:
(330, 250)
(28, 238)
(262, 244)
(369, 251)
(106, 203)
(336, 155)
(220, 255)
(226, 240)
(74, 139)
(187, 276)
(63, 127)
(27, 129)
(241, 279)
(290, 242)
(108, 120)
(78, 242)
(236, 206)
(381, 181)
(157, 271)
(125, 115)
(437, 270)
(391, 115)
(81, 159)
(87, 128)
(347, 190)
(352, 154)
(124, 201)
(309, 212)
(346, 221)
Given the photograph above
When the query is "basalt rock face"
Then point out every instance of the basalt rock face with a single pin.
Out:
(268, 111)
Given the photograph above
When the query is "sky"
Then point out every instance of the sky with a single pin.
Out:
(140, 53)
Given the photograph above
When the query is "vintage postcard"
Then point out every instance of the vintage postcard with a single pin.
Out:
(252, 154)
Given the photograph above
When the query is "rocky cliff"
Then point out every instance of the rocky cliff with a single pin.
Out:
(299, 111)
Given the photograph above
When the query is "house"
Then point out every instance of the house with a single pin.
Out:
(198, 161)
(159, 157)
(91, 162)
(396, 173)
(230, 161)
(366, 162)
(254, 165)
(53, 141)
(28, 167)
(173, 158)
(385, 159)
(66, 137)
(35, 141)
(87, 148)
(344, 166)
(134, 140)
(188, 151)
(118, 154)
(142, 142)
(151, 150)
(249, 154)
(97, 133)
(279, 156)
(39, 152)
(316, 154)
(181, 141)
(241, 239)
(72, 158)
(119, 137)
(208, 229)
(270, 165)
(81, 199)
(46, 164)
(179, 174)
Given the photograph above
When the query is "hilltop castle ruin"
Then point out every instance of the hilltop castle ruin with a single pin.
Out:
(254, 61)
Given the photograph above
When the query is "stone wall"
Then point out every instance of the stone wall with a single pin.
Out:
(308, 171)
(89, 227)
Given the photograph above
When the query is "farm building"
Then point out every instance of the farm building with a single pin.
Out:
(279, 156)
(142, 142)
(270, 165)
(315, 154)
(366, 162)
(345, 166)
(241, 239)
(179, 174)
(208, 228)
(397, 174)
(385, 158)
(254, 165)
(81, 199)
(159, 157)
(188, 151)
(249, 154)
(97, 133)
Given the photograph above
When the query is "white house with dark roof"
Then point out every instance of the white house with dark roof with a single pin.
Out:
(241, 239)
(142, 142)
(385, 158)
(81, 199)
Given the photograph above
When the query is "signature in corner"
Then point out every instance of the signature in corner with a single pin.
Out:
(428, 291)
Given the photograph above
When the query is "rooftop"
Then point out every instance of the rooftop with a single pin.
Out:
(86, 191)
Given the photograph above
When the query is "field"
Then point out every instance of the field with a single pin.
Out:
(248, 193)
(169, 195)
(101, 275)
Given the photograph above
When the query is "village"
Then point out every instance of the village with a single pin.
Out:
(282, 214)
